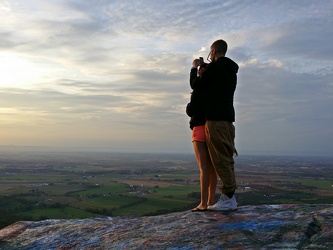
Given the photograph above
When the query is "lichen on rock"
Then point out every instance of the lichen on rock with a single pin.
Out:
(250, 227)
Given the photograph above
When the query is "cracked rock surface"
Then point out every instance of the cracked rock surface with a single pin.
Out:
(250, 227)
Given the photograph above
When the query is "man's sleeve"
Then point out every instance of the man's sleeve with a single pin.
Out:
(208, 75)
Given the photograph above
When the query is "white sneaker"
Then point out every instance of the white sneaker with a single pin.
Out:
(224, 204)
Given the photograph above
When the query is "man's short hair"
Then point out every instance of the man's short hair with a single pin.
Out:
(221, 46)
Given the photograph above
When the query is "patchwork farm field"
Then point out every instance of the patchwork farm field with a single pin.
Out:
(35, 186)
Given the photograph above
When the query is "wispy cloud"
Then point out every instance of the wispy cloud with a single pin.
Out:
(115, 74)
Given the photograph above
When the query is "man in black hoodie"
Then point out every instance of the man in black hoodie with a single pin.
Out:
(218, 83)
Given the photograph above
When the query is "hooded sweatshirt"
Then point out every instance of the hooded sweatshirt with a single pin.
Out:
(194, 108)
(218, 83)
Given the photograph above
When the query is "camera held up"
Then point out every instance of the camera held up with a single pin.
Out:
(202, 63)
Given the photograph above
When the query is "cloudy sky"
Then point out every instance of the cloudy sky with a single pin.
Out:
(113, 75)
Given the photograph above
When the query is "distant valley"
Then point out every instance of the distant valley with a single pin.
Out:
(45, 185)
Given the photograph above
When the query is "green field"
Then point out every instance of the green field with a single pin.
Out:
(139, 186)
(27, 195)
(57, 213)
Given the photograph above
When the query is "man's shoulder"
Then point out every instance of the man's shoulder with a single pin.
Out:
(224, 59)
(230, 64)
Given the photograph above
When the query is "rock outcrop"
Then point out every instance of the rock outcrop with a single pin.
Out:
(250, 227)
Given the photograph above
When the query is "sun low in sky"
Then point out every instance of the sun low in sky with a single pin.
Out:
(114, 75)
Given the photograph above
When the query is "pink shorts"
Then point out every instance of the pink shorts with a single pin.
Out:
(198, 133)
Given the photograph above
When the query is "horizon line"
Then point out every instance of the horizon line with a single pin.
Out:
(59, 149)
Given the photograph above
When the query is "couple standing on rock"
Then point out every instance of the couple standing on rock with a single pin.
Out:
(213, 134)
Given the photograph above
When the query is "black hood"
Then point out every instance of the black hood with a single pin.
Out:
(230, 64)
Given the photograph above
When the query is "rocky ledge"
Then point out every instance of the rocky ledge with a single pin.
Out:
(250, 227)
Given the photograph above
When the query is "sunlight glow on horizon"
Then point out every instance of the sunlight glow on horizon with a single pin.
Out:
(17, 72)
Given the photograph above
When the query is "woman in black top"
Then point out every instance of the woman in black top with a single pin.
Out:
(208, 178)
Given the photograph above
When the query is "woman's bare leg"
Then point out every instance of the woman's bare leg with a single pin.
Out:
(204, 163)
